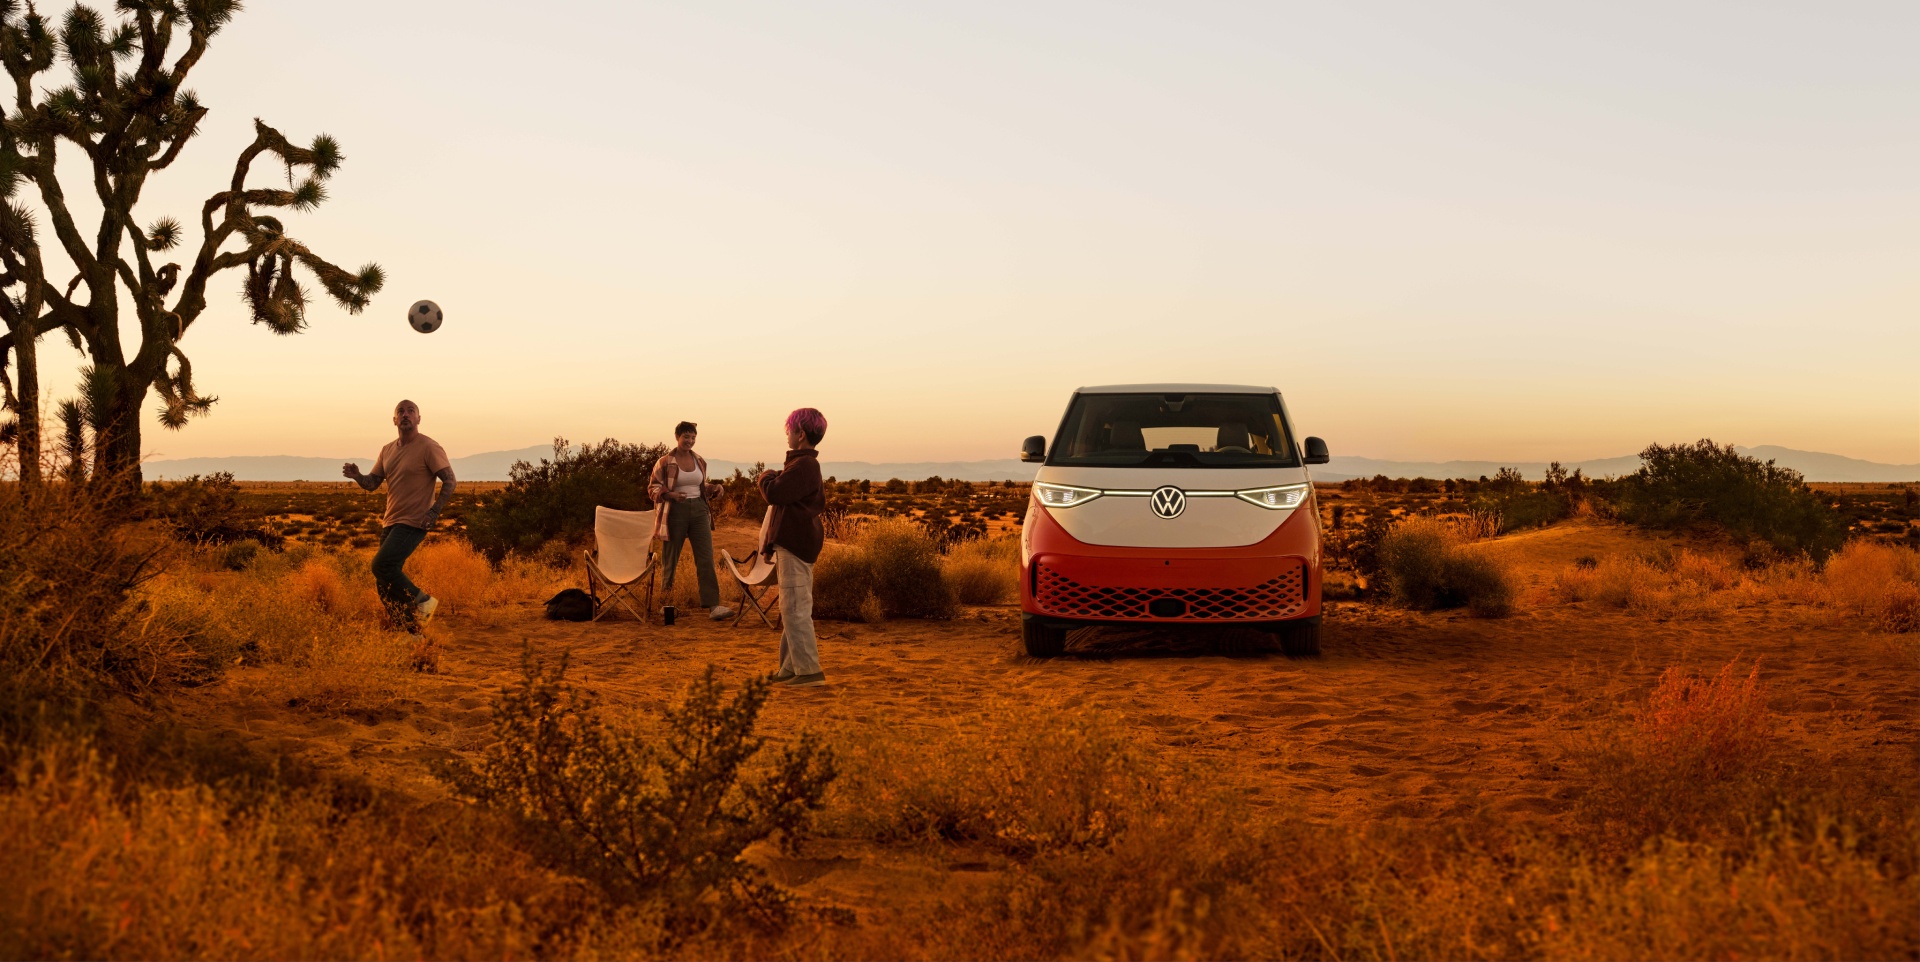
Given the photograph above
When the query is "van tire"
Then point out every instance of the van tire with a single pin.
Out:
(1041, 640)
(1299, 639)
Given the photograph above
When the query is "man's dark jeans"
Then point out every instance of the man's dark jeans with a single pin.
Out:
(397, 592)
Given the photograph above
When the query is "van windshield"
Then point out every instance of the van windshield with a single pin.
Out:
(1174, 430)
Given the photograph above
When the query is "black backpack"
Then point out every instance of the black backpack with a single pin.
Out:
(570, 605)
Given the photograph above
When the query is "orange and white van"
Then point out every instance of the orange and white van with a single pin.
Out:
(1172, 504)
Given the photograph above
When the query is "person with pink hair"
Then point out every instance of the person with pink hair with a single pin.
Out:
(796, 497)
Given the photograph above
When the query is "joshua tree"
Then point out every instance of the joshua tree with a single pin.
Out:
(128, 113)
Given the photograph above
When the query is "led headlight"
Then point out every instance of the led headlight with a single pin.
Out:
(1062, 495)
(1279, 498)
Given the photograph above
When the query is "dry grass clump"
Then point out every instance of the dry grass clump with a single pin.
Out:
(1697, 750)
(113, 871)
(1683, 583)
(1021, 780)
(1877, 581)
(71, 568)
(893, 562)
(1426, 566)
(984, 572)
(843, 587)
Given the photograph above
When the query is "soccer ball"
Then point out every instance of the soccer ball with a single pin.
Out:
(425, 316)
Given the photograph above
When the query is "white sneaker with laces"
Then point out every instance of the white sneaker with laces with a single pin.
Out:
(720, 613)
(427, 608)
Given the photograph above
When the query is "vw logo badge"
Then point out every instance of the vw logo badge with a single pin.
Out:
(1169, 501)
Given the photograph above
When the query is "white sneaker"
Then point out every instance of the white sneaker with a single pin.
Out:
(427, 608)
(720, 613)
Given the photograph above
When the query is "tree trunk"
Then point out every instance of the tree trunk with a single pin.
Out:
(27, 365)
(117, 441)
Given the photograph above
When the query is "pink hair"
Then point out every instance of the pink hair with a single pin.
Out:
(809, 422)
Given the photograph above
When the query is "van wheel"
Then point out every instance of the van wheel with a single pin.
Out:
(1040, 639)
(1299, 639)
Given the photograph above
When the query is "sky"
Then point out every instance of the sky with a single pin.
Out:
(1459, 230)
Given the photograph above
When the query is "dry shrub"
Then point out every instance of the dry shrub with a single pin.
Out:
(895, 563)
(1690, 763)
(331, 661)
(1877, 581)
(71, 627)
(1680, 584)
(1709, 572)
(105, 871)
(1019, 779)
(318, 583)
(453, 572)
(1426, 566)
(843, 587)
(647, 819)
(984, 572)
(1715, 727)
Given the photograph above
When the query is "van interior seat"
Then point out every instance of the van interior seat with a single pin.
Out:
(1233, 435)
(1126, 436)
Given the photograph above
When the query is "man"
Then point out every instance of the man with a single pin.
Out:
(408, 464)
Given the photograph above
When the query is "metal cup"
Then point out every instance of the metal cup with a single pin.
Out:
(666, 614)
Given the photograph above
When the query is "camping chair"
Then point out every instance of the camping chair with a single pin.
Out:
(760, 575)
(622, 558)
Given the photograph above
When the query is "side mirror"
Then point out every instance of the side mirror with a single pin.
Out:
(1033, 449)
(1316, 451)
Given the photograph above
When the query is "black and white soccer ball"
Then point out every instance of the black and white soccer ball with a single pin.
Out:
(425, 316)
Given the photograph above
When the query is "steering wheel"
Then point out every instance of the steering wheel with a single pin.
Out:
(1232, 449)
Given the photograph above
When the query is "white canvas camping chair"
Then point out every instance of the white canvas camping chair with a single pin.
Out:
(758, 575)
(621, 561)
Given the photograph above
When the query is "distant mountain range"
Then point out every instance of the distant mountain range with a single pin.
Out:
(495, 465)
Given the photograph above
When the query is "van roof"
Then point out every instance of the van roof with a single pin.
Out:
(1177, 389)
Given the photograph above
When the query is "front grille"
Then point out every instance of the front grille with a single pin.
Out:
(1281, 597)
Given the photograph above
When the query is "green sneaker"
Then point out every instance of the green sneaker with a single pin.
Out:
(814, 680)
(779, 676)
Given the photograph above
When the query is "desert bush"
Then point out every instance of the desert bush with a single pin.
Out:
(1876, 581)
(1424, 566)
(194, 506)
(1510, 502)
(319, 624)
(843, 586)
(1021, 779)
(452, 571)
(1681, 763)
(897, 563)
(72, 626)
(1686, 484)
(906, 570)
(116, 871)
(647, 820)
(556, 498)
(984, 572)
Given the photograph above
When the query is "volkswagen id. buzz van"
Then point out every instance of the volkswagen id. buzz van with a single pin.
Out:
(1164, 504)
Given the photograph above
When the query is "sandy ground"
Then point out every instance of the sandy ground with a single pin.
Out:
(1422, 716)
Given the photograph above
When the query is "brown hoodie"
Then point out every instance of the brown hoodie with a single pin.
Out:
(797, 491)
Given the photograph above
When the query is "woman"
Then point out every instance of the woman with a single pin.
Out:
(680, 481)
(795, 493)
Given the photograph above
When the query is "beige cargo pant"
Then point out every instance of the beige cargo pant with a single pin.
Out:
(799, 649)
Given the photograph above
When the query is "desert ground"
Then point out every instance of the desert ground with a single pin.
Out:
(1426, 717)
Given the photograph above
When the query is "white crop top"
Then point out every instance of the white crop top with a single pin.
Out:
(688, 481)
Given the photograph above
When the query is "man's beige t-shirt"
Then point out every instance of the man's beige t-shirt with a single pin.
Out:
(409, 470)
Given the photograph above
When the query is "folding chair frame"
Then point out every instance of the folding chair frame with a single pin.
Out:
(621, 594)
(758, 603)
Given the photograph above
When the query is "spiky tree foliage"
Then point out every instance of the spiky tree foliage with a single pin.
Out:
(127, 110)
